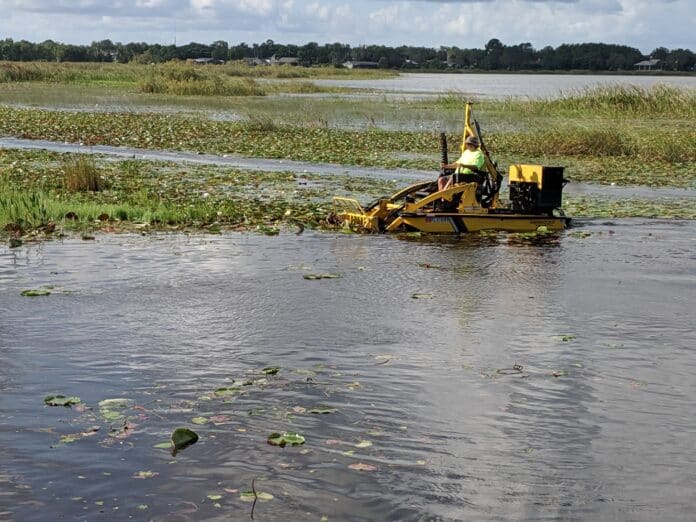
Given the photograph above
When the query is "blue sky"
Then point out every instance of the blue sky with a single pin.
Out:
(644, 24)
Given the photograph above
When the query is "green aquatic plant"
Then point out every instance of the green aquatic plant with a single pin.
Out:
(81, 174)
(183, 438)
(61, 400)
(27, 209)
(285, 438)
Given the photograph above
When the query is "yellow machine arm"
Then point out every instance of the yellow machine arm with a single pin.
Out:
(468, 129)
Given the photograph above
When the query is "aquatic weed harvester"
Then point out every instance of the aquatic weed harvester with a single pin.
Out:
(470, 204)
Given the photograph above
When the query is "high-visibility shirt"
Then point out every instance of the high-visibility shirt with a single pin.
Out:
(470, 157)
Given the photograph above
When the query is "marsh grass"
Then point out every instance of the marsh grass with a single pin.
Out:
(241, 68)
(191, 80)
(176, 77)
(81, 174)
(615, 100)
(28, 209)
(69, 73)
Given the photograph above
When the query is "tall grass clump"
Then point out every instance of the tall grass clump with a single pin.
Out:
(81, 175)
(69, 73)
(184, 79)
(26, 208)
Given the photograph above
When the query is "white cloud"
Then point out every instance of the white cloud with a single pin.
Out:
(465, 23)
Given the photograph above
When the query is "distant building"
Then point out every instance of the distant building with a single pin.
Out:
(360, 65)
(285, 60)
(203, 61)
(649, 65)
(256, 61)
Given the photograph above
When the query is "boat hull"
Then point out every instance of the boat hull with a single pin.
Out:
(455, 223)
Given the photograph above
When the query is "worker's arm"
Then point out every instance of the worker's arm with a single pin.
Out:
(457, 165)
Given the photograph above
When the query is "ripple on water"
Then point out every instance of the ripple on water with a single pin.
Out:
(601, 325)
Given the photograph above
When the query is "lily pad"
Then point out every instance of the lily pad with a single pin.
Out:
(219, 419)
(214, 496)
(182, 438)
(35, 292)
(422, 296)
(322, 410)
(163, 445)
(312, 277)
(226, 392)
(145, 474)
(249, 496)
(361, 466)
(287, 437)
(112, 409)
(199, 420)
(61, 400)
(113, 404)
(271, 370)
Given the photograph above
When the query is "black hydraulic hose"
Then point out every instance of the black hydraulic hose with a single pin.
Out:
(443, 148)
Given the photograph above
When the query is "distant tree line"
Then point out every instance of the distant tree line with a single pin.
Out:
(495, 55)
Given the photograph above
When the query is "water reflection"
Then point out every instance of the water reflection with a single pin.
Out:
(506, 85)
(596, 425)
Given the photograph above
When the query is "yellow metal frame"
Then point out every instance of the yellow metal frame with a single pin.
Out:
(526, 174)
(414, 207)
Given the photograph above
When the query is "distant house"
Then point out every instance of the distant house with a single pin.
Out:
(285, 60)
(649, 65)
(203, 61)
(255, 61)
(360, 65)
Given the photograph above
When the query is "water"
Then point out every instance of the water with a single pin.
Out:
(507, 85)
(598, 426)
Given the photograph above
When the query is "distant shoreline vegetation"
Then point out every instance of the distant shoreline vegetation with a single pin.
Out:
(495, 56)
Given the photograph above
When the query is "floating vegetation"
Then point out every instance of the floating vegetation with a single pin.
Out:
(322, 410)
(145, 474)
(113, 410)
(61, 400)
(362, 466)
(313, 277)
(251, 496)
(422, 296)
(35, 292)
(285, 438)
(182, 438)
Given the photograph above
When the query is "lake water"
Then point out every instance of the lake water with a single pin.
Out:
(507, 85)
(431, 421)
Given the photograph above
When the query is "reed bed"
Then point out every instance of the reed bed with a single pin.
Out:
(81, 174)
(133, 73)
(33, 196)
(615, 100)
(27, 209)
(69, 73)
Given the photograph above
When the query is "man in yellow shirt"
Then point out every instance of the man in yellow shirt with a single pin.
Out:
(472, 159)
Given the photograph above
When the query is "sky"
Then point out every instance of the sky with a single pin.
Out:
(644, 24)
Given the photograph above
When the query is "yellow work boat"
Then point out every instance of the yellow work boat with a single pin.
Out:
(470, 204)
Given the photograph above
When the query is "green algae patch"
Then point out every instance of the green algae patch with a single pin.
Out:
(35, 292)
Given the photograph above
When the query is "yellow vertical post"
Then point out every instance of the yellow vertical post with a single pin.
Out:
(468, 129)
